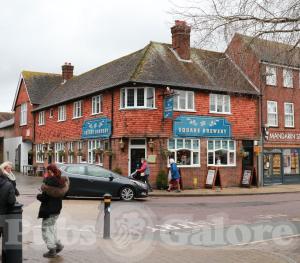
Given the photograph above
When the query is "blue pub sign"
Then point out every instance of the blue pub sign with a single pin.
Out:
(201, 126)
(96, 128)
(168, 108)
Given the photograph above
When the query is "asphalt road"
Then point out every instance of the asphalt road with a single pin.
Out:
(269, 224)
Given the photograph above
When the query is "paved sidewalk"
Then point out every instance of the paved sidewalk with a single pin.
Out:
(276, 189)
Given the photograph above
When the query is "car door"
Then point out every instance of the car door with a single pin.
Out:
(79, 184)
(100, 181)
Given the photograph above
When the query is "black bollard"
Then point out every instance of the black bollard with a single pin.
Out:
(106, 231)
(12, 236)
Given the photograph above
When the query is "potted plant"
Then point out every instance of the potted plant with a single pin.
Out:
(162, 180)
(98, 151)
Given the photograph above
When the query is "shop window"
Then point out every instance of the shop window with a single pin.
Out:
(272, 113)
(186, 152)
(288, 78)
(221, 152)
(95, 151)
(59, 152)
(137, 98)
(271, 76)
(289, 115)
(39, 153)
(290, 161)
(184, 101)
(219, 103)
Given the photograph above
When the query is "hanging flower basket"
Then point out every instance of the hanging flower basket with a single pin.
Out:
(71, 153)
(109, 152)
(61, 153)
(79, 153)
(98, 151)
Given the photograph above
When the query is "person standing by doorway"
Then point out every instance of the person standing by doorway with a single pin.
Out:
(175, 176)
(145, 173)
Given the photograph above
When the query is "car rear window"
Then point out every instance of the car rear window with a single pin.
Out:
(75, 170)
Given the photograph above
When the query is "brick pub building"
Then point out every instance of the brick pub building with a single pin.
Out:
(113, 115)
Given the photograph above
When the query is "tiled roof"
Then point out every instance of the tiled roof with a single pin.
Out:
(4, 116)
(274, 52)
(40, 84)
(156, 64)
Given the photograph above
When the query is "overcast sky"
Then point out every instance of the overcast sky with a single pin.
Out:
(40, 35)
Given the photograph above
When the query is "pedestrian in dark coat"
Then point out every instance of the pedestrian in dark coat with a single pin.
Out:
(53, 189)
(6, 169)
(7, 198)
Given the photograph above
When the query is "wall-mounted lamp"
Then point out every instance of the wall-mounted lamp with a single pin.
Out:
(121, 143)
(151, 144)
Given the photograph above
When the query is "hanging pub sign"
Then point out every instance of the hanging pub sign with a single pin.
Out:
(168, 108)
(96, 128)
(201, 126)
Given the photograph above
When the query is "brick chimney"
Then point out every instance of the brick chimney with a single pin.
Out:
(181, 39)
(67, 71)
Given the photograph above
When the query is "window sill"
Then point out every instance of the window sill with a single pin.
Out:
(221, 113)
(39, 162)
(289, 127)
(61, 120)
(74, 118)
(93, 114)
(219, 165)
(188, 166)
(41, 124)
(184, 110)
(271, 85)
(288, 87)
(133, 108)
(24, 124)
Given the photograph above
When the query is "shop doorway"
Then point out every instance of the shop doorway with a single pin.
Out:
(247, 162)
(137, 150)
(273, 168)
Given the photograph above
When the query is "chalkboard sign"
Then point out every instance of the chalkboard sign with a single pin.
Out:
(211, 177)
(246, 180)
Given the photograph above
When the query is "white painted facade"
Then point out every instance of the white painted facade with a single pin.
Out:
(10, 146)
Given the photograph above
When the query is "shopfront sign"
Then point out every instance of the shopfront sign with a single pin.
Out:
(168, 108)
(201, 126)
(284, 136)
(96, 128)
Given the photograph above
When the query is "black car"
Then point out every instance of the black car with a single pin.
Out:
(94, 181)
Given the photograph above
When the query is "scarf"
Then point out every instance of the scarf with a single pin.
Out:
(10, 175)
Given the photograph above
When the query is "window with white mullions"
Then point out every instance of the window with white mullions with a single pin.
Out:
(42, 118)
(288, 78)
(77, 109)
(96, 104)
(23, 114)
(139, 97)
(219, 103)
(186, 152)
(61, 113)
(93, 155)
(39, 153)
(59, 152)
(221, 152)
(271, 76)
(184, 100)
(272, 113)
(289, 115)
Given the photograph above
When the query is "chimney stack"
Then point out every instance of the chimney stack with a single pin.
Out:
(67, 71)
(181, 39)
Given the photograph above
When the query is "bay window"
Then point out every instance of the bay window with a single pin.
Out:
(221, 152)
(186, 152)
(137, 97)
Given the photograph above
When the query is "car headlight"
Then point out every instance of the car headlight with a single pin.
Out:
(140, 184)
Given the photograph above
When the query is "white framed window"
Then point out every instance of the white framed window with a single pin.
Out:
(96, 104)
(95, 157)
(184, 100)
(221, 153)
(62, 113)
(289, 115)
(51, 113)
(39, 153)
(271, 76)
(70, 152)
(219, 103)
(79, 149)
(23, 114)
(59, 152)
(186, 152)
(288, 78)
(272, 113)
(137, 98)
(42, 118)
(77, 109)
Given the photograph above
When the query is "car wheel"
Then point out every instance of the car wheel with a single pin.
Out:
(127, 193)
